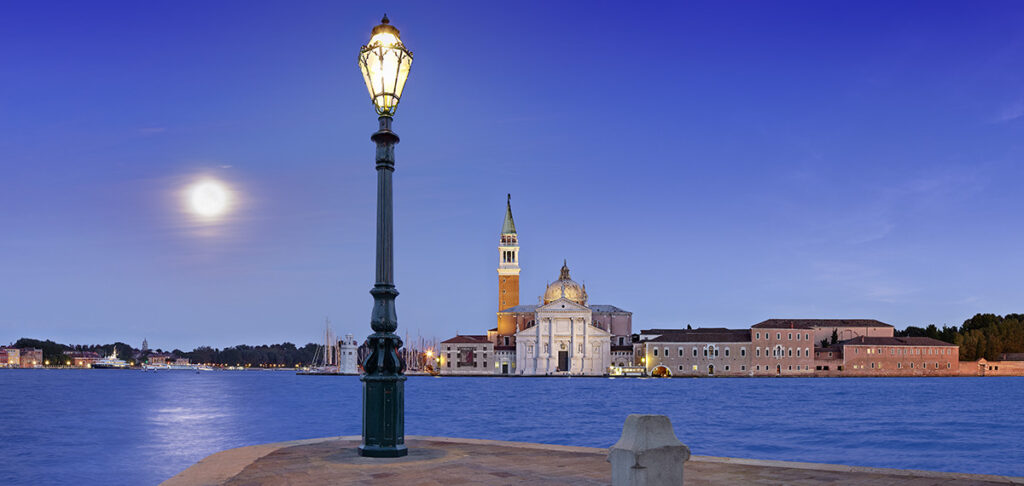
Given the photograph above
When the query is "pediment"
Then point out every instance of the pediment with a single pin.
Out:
(562, 305)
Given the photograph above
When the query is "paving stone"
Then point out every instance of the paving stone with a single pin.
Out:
(436, 461)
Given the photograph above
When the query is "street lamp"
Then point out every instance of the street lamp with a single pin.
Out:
(385, 64)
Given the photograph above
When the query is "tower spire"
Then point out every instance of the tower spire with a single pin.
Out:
(509, 226)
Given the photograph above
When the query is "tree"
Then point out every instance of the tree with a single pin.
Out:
(824, 342)
(835, 336)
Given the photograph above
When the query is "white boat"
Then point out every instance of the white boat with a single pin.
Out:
(111, 362)
(325, 361)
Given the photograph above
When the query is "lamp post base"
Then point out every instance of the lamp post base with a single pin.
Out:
(383, 415)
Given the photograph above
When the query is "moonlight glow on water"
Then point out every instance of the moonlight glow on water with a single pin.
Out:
(132, 427)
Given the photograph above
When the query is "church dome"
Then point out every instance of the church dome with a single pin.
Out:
(565, 287)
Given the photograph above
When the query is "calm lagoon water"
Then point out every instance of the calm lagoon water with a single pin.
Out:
(116, 427)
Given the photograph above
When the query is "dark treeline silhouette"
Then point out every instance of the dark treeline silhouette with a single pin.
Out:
(982, 336)
(284, 354)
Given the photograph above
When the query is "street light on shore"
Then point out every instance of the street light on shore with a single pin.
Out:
(385, 64)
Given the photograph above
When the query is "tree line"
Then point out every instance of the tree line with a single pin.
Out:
(285, 354)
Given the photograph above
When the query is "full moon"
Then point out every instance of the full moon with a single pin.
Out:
(209, 198)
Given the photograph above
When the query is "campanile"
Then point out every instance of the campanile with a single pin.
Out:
(508, 261)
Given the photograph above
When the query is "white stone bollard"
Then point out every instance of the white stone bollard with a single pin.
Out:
(648, 453)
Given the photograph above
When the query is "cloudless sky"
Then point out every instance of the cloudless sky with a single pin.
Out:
(704, 163)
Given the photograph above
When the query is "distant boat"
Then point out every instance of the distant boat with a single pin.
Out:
(326, 358)
(111, 362)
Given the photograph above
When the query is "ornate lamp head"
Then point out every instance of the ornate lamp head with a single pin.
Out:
(385, 63)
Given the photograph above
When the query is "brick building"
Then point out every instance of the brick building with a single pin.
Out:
(31, 357)
(899, 356)
(695, 352)
(467, 355)
(10, 358)
(785, 347)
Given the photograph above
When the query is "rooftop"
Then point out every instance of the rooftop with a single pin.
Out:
(467, 339)
(816, 323)
(716, 335)
(893, 341)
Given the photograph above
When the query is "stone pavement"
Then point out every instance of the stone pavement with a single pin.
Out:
(447, 461)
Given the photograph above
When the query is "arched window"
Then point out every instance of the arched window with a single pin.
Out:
(655, 351)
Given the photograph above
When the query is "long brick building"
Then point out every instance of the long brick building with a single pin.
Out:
(794, 347)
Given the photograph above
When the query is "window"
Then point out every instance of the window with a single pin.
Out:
(485, 364)
(790, 336)
(448, 363)
(830, 354)
(758, 367)
(807, 336)
(716, 352)
(694, 367)
(547, 348)
(790, 367)
(743, 351)
(778, 335)
(911, 364)
(758, 336)
(705, 352)
(680, 367)
(694, 352)
(872, 365)
(743, 367)
(791, 351)
(680, 352)
(947, 365)
(807, 351)
(655, 351)
(757, 351)
(506, 340)
(726, 367)
(899, 365)
(665, 354)
(798, 351)
(797, 336)
(726, 353)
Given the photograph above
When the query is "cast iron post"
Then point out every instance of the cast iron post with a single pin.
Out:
(383, 378)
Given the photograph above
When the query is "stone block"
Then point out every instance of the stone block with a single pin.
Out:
(648, 453)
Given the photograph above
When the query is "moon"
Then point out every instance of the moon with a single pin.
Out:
(209, 198)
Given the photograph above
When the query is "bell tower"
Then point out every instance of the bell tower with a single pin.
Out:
(508, 262)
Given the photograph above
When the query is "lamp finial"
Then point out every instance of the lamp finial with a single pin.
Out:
(385, 19)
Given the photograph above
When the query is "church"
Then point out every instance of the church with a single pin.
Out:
(563, 334)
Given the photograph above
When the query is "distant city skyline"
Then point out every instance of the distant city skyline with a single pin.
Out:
(711, 164)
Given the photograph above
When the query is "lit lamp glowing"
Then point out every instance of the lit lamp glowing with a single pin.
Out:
(385, 64)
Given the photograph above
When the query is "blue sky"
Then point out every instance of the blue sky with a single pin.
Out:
(714, 163)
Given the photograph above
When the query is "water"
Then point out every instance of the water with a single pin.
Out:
(135, 428)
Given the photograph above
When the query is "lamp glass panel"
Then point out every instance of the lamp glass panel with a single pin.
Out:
(385, 64)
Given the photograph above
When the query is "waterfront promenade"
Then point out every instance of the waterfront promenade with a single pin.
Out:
(446, 461)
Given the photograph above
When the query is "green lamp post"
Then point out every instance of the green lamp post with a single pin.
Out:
(385, 64)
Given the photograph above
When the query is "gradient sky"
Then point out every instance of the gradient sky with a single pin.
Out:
(713, 164)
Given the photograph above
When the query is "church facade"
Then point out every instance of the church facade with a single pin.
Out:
(563, 334)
